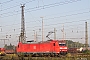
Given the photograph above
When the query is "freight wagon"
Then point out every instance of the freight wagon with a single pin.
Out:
(10, 51)
(50, 47)
(2, 52)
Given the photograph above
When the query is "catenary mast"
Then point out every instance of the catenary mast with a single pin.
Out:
(86, 36)
(22, 35)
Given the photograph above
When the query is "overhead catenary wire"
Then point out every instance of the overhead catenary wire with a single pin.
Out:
(49, 24)
(45, 6)
(54, 4)
(55, 24)
(59, 23)
(57, 17)
(65, 15)
(6, 2)
(69, 15)
(15, 5)
(28, 30)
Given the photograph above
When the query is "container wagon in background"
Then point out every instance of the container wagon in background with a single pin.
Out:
(10, 51)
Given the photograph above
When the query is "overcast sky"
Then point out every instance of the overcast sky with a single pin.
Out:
(68, 14)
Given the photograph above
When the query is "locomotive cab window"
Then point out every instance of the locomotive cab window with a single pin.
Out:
(18, 46)
(62, 44)
(53, 44)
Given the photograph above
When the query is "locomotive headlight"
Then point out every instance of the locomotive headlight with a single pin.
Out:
(65, 48)
(61, 48)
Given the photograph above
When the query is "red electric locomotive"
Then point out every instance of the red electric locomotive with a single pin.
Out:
(49, 47)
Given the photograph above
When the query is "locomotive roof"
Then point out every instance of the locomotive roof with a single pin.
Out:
(48, 41)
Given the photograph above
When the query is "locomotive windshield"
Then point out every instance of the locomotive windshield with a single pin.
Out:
(62, 44)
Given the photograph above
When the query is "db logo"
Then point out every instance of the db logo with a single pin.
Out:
(34, 47)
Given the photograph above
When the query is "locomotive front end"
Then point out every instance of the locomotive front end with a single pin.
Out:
(63, 47)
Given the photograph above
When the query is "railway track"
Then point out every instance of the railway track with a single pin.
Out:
(83, 55)
(78, 56)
